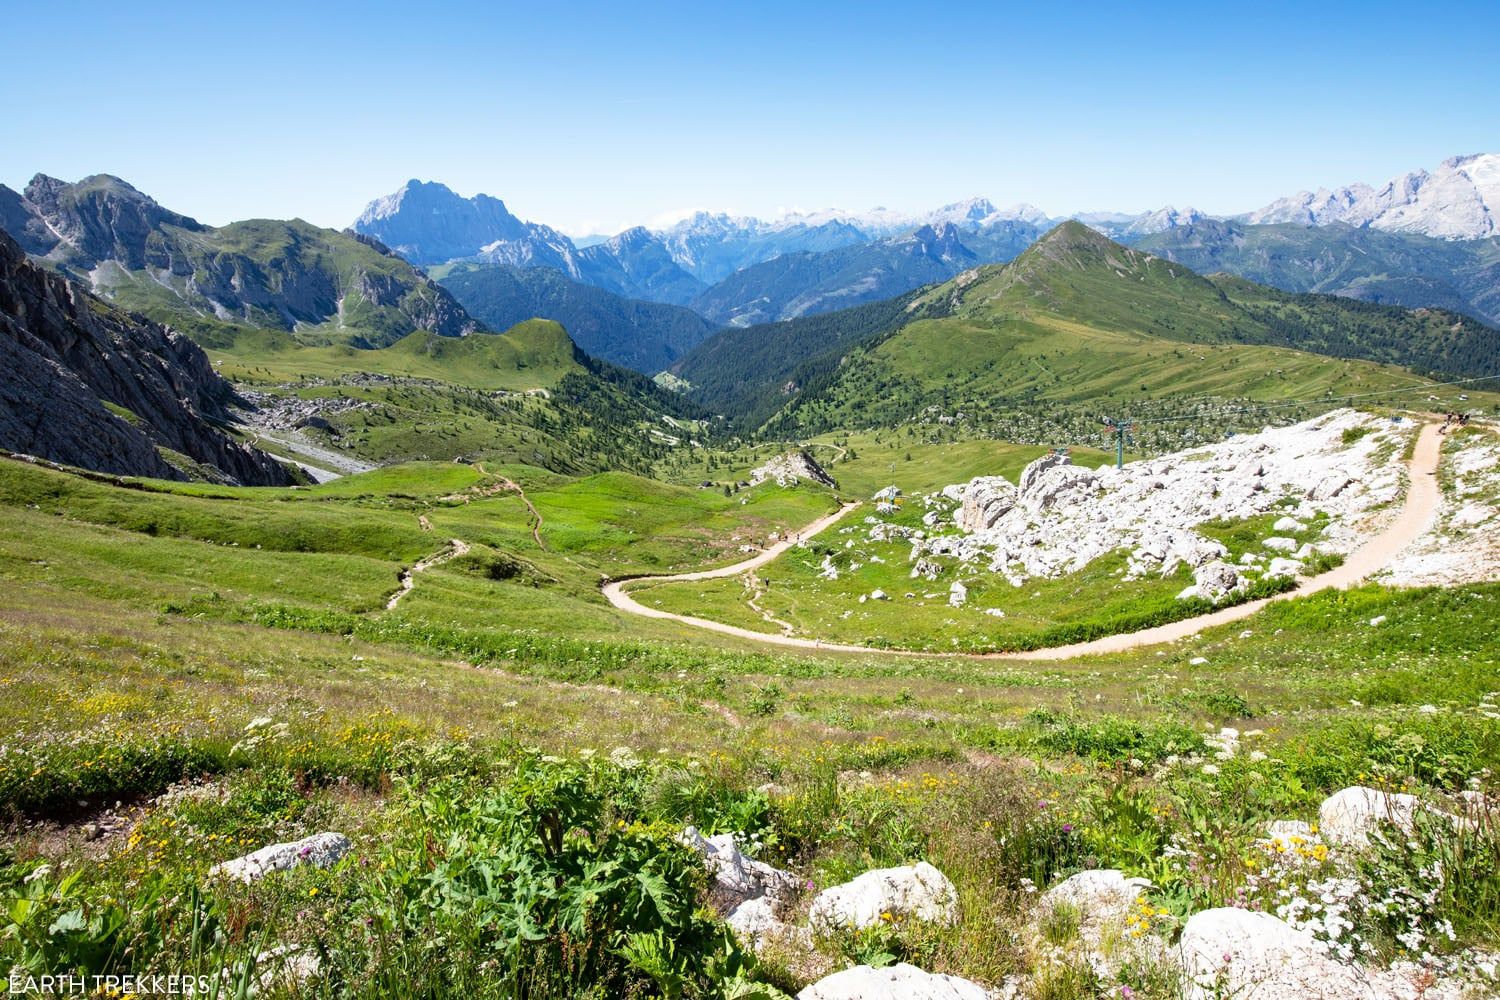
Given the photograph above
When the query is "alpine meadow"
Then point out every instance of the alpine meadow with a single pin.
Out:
(702, 596)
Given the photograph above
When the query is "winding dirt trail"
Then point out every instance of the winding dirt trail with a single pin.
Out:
(1416, 514)
(507, 485)
(408, 577)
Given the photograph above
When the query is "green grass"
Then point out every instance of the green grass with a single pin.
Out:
(130, 660)
(532, 355)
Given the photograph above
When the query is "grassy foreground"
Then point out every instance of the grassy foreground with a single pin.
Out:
(190, 672)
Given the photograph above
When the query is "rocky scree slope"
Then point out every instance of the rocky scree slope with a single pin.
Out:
(1327, 476)
(66, 358)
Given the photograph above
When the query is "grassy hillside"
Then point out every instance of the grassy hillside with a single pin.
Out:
(748, 373)
(234, 643)
(1079, 326)
(531, 355)
(528, 395)
(644, 336)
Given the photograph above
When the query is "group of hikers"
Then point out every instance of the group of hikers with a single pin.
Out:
(1452, 420)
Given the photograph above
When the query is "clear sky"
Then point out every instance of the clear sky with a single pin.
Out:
(594, 117)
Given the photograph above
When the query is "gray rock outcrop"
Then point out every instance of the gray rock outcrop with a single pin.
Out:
(787, 469)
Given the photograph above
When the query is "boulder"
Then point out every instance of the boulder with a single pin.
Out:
(926, 569)
(1033, 472)
(1230, 952)
(1289, 525)
(321, 850)
(1102, 896)
(1281, 566)
(736, 877)
(756, 922)
(1330, 486)
(986, 500)
(958, 595)
(1286, 829)
(1280, 543)
(1048, 489)
(1215, 579)
(1193, 549)
(916, 892)
(893, 982)
(286, 967)
(1347, 817)
(787, 469)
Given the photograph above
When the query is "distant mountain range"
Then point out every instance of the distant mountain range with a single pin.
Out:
(319, 284)
(645, 336)
(739, 270)
(1074, 317)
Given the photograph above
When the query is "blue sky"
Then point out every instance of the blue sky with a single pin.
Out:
(593, 117)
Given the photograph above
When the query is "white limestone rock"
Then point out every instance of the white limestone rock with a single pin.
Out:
(1034, 470)
(321, 850)
(926, 569)
(1229, 952)
(893, 982)
(1102, 896)
(986, 499)
(1348, 817)
(1280, 543)
(1214, 579)
(736, 877)
(1289, 525)
(915, 892)
(1064, 517)
(958, 595)
(787, 469)
(1283, 567)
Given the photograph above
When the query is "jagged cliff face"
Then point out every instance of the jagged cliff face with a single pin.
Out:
(64, 354)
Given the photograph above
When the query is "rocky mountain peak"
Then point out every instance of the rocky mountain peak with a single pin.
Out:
(98, 218)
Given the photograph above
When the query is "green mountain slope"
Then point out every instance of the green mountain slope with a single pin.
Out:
(1079, 325)
(748, 373)
(645, 336)
(527, 395)
(321, 285)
